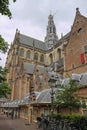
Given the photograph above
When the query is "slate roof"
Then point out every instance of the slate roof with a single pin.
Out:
(65, 82)
(44, 97)
(76, 76)
(3, 99)
(29, 68)
(11, 104)
(64, 38)
(32, 42)
(41, 68)
(81, 78)
(29, 41)
(59, 63)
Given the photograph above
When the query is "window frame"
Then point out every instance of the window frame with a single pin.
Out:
(28, 56)
(21, 53)
(41, 58)
(36, 56)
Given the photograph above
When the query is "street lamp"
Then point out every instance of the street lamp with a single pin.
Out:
(52, 82)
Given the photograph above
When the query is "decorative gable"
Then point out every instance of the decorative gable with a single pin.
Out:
(78, 25)
(75, 50)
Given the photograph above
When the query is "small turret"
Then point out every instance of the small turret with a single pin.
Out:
(77, 11)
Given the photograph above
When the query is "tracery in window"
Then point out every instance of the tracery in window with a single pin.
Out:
(51, 58)
(28, 54)
(36, 56)
(59, 54)
(21, 52)
(42, 58)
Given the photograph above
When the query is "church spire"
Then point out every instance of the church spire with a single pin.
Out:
(51, 37)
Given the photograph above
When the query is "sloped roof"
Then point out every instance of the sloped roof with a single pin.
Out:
(76, 76)
(65, 81)
(83, 79)
(29, 67)
(29, 41)
(44, 96)
(41, 68)
(60, 63)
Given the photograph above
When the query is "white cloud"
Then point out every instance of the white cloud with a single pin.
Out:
(31, 17)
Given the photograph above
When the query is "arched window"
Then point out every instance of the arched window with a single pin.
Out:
(80, 30)
(36, 56)
(51, 58)
(50, 30)
(42, 58)
(54, 30)
(21, 52)
(28, 54)
(59, 54)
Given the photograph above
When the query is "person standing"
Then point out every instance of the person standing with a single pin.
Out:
(44, 122)
(12, 114)
(39, 122)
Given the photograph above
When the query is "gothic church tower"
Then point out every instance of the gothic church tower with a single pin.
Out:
(51, 37)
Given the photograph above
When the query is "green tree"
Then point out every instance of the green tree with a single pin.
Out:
(3, 45)
(67, 97)
(4, 10)
(4, 88)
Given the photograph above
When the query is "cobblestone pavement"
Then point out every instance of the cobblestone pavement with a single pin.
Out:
(6, 123)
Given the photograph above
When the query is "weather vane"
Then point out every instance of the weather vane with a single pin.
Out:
(53, 13)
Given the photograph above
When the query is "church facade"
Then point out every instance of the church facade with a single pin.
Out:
(31, 62)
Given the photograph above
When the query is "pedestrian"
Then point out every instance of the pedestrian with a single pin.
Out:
(12, 114)
(7, 113)
(4, 116)
(39, 122)
(44, 122)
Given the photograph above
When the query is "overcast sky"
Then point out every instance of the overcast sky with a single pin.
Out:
(31, 18)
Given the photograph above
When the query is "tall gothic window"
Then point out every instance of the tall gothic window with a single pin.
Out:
(51, 58)
(50, 30)
(54, 30)
(42, 58)
(59, 53)
(36, 56)
(21, 52)
(28, 54)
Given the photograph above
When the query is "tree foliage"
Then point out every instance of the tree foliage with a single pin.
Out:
(3, 45)
(4, 87)
(67, 97)
(5, 90)
(4, 8)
